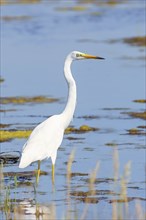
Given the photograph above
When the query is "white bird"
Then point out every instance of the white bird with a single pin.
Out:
(46, 138)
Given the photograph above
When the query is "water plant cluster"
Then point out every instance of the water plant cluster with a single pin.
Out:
(12, 208)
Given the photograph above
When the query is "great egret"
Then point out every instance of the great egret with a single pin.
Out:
(46, 138)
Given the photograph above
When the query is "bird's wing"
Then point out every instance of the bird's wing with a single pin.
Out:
(44, 140)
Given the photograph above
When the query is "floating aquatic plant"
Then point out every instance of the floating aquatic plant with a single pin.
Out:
(73, 8)
(1, 79)
(141, 115)
(16, 18)
(6, 135)
(7, 110)
(136, 41)
(111, 144)
(136, 131)
(3, 2)
(81, 129)
(89, 117)
(5, 125)
(133, 41)
(23, 100)
(140, 100)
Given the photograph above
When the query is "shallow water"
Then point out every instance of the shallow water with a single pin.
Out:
(35, 41)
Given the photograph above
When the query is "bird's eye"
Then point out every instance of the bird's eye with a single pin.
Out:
(78, 55)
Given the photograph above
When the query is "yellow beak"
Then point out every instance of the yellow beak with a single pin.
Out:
(88, 56)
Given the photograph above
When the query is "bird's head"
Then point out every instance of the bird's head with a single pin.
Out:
(76, 55)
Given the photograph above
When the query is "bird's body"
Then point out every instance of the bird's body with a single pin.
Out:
(42, 136)
(46, 138)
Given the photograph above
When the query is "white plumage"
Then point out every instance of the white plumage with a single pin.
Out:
(46, 138)
(43, 141)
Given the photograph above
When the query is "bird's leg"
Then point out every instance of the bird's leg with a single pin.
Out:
(39, 164)
(53, 173)
(53, 158)
(38, 172)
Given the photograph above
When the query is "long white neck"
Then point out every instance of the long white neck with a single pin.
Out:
(72, 94)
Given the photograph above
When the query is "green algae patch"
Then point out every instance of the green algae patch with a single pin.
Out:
(86, 128)
(113, 2)
(111, 144)
(136, 131)
(24, 100)
(81, 129)
(136, 41)
(141, 115)
(4, 125)
(79, 174)
(92, 196)
(6, 135)
(75, 138)
(5, 2)
(7, 110)
(90, 200)
(89, 117)
(128, 199)
(133, 131)
(140, 100)
(110, 2)
(16, 18)
(1, 80)
(133, 41)
(142, 126)
(74, 8)
(85, 197)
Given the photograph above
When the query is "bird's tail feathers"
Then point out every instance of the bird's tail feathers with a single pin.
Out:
(24, 162)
